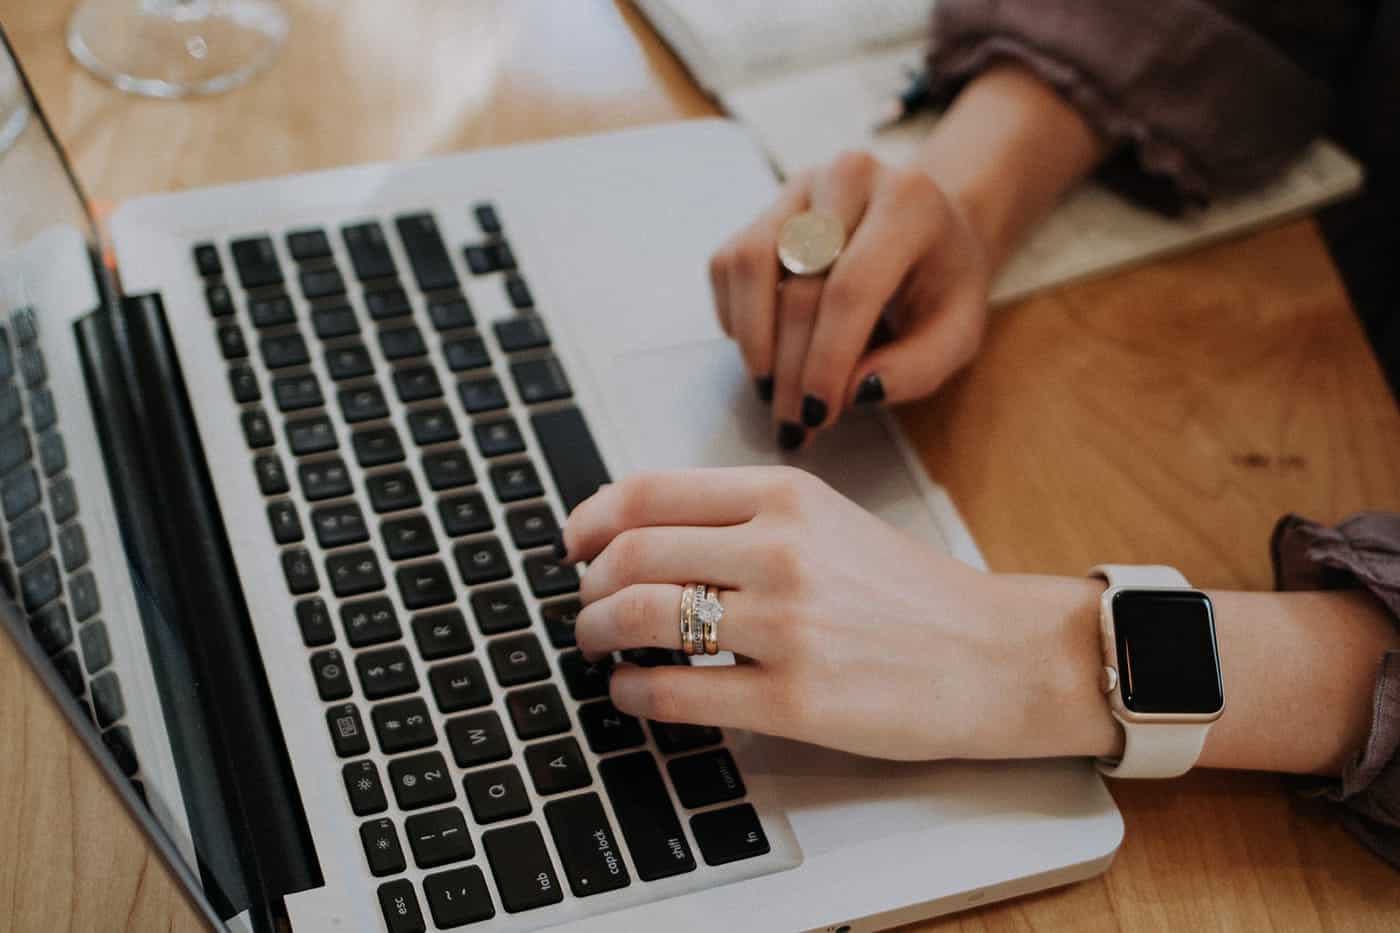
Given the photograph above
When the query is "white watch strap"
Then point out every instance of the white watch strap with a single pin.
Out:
(1147, 576)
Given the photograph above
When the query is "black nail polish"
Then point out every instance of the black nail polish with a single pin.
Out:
(561, 550)
(790, 436)
(871, 390)
(813, 411)
(764, 385)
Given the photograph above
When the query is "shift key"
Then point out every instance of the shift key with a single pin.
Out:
(586, 845)
(648, 820)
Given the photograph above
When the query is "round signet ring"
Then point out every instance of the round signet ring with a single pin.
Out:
(809, 242)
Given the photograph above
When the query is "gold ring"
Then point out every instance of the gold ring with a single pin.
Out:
(687, 616)
(809, 242)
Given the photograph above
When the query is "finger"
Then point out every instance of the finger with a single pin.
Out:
(669, 554)
(797, 311)
(733, 697)
(719, 286)
(647, 615)
(919, 362)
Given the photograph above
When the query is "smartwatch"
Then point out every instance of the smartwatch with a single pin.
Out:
(1161, 669)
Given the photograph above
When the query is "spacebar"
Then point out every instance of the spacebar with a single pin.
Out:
(571, 454)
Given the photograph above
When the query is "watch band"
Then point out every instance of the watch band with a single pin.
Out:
(1158, 749)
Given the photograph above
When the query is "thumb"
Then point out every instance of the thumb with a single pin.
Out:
(919, 361)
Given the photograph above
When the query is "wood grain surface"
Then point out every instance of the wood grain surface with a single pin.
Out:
(1170, 413)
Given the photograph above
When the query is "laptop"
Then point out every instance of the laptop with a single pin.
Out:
(278, 497)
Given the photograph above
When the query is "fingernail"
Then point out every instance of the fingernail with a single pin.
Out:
(871, 390)
(561, 550)
(813, 411)
(764, 385)
(790, 436)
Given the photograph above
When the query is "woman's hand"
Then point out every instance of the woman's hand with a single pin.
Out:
(910, 254)
(849, 634)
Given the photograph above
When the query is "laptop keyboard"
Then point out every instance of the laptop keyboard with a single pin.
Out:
(393, 404)
(47, 568)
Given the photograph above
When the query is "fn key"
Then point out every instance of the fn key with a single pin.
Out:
(729, 835)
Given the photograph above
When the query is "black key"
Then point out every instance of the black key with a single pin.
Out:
(10, 405)
(441, 634)
(364, 788)
(496, 794)
(97, 650)
(420, 780)
(349, 362)
(308, 244)
(339, 525)
(464, 515)
(458, 897)
(386, 672)
(559, 620)
(219, 299)
(438, 837)
(514, 481)
(459, 685)
(586, 845)
(322, 283)
(51, 628)
(416, 384)
(654, 657)
(585, 681)
(504, 256)
(401, 343)
(450, 313)
(330, 323)
(106, 696)
(729, 835)
(300, 571)
(557, 765)
(524, 875)
(40, 584)
(549, 577)
(63, 499)
(244, 385)
(402, 726)
(400, 906)
(256, 260)
(382, 849)
(332, 679)
(498, 438)
(540, 380)
(354, 572)
(272, 311)
(53, 456)
(407, 537)
(573, 458)
(675, 737)
(426, 252)
(390, 492)
(206, 259)
(71, 671)
(231, 342)
(72, 547)
(646, 817)
(388, 303)
(369, 253)
(706, 778)
(481, 259)
(518, 292)
(288, 350)
(314, 620)
(82, 594)
(537, 711)
(532, 527)
(29, 536)
(480, 395)
(486, 218)
(363, 403)
(311, 435)
(522, 332)
(272, 479)
(14, 448)
(432, 426)
(293, 393)
(31, 367)
(425, 585)
(347, 730)
(466, 353)
(477, 739)
(369, 622)
(257, 430)
(377, 446)
(118, 742)
(499, 609)
(448, 469)
(518, 660)
(324, 479)
(42, 413)
(608, 729)
(482, 561)
(7, 357)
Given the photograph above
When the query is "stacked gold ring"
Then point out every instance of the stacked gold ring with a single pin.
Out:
(700, 616)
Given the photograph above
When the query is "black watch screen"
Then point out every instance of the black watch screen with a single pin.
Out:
(1167, 657)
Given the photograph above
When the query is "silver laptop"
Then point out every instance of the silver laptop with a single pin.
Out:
(277, 520)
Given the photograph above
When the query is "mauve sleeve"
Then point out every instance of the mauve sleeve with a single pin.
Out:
(1195, 97)
(1363, 551)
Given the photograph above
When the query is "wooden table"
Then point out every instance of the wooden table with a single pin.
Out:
(1170, 413)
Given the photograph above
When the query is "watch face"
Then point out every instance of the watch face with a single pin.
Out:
(1167, 659)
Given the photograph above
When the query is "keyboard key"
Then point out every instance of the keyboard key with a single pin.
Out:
(26, 326)
(459, 685)
(496, 794)
(481, 259)
(400, 906)
(586, 845)
(388, 303)
(339, 525)
(432, 426)
(322, 283)
(324, 479)
(72, 673)
(256, 261)
(97, 650)
(286, 526)
(465, 514)
(518, 660)
(63, 499)
(7, 358)
(29, 536)
(401, 343)
(311, 435)
(382, 849)
(522, 332)
(408, 537)
(257, 430)
(482, 561)
(557, 765)
(524, 875)
(364, 788)
(288, 350)
(448, 469)
(72, 547)
(515, 481)
(645, 816)
(402, 726)
(106, 695)
(458, 897)
(585, 681)
(420, 781)
(369, 622)
(532, 527)
(347, 730)
(573, 459)
(499, 609)
(118, 742)
(272, 311)
(354, 572)
(314, 620)
(386, 672)
(498, 438)
(10, 405)
(450, 313)
(332, 679)
(426, 252)
(477, 739)
(40, 584)
(414, 385)
(14, 448)
(308, 244)
(518, 292)
(349, 362)
(231, 342)
(654, 657)
(82, 595)
(390, 492)
(466, 353)
(206, 260)
(441, 634)
(706, 778)
(272, 479)
(503, 256)
(608, 729)
(487, 219)
(219, 299)
(293, 393)
(729, 835)
(438, 837)
(53, 456)
(481, 395)
(537, 711)
(425, 585)
(377, 446)
(51, 628)
(369, 253)
(548, 577)
(540, 380)
(559, 621)
(330, 323)
(363, 403)
(675, 737)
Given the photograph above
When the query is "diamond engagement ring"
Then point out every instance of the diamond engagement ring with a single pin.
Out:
(700, 616)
